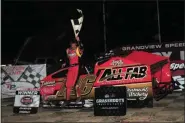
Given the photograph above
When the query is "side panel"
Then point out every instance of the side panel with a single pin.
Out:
(136, 92)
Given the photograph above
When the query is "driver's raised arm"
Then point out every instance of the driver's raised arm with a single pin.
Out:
(80, 47)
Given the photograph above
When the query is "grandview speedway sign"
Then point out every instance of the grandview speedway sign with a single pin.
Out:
(174, 50)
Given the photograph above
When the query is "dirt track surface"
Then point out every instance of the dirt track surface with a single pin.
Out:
(170, 109)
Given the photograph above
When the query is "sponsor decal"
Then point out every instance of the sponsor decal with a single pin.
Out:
(138, 72)
(177, 66)
(110, 98)
(10, 86)
(27, 92)
(26, 100)
(140, 93)
(44, 83)
(117, 63)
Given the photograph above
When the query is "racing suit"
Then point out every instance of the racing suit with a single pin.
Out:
(72, 75)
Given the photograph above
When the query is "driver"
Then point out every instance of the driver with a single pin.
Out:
(74, 54)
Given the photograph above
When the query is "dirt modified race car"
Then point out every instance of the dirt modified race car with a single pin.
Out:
(147, 76)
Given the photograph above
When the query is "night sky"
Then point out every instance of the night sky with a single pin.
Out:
(49, 28)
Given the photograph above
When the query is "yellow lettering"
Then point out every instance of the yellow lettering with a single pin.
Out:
(85, 84)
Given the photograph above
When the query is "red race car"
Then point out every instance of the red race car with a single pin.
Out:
(147, 76)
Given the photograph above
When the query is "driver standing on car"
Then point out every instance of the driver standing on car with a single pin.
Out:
(74, 54)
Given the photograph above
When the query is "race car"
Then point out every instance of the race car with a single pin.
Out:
(147, 76)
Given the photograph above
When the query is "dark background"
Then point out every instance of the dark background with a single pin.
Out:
(48, 23)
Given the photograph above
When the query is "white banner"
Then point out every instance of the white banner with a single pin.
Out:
(34, 100)
(26, 100)
(20, 76)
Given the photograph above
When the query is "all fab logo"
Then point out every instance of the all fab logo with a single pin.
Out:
(120, 75)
